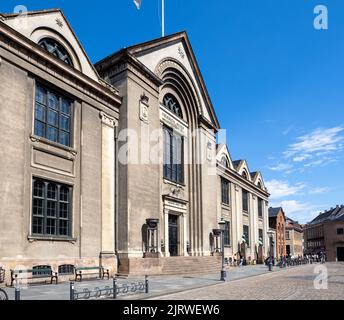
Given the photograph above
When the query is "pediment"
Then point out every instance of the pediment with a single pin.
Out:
(36, 25)
(176, 49)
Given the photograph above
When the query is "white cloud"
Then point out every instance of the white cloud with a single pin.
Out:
(281, 167)
(319, 190)
(280, 189)
(316, 144)
(299, 211)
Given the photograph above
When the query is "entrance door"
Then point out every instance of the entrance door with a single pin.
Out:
(288, 250)
(340, 253)
(173, 234)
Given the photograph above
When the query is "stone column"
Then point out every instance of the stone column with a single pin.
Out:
(185, 236)
(166, 240)
(108, 183)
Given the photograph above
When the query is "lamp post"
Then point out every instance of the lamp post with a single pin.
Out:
(222, 225)
(270, 249)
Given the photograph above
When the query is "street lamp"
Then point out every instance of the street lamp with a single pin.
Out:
(222, 225)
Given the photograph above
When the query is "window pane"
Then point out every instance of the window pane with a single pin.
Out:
(51, 208)
(52, 118)
(64, 194)
(40, 112)
(52, 134)
(37, 225)
(65, 106)
(65, 123)
(51, 226)
(53, 101)
(39, 129)
(38, 207)
(64, 138)
(38, 189)
(63, 228)
(40, 95)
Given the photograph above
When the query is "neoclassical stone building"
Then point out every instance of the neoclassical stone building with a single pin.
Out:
(114, 164)
(242, 201)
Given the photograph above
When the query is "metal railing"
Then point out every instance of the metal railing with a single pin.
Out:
(109, 292)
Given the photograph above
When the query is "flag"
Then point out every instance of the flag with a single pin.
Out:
(138, 4)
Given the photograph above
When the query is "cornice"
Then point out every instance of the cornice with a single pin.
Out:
(23, 47)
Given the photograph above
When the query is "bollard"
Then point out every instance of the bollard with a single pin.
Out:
(114, 287)
(16, 289)
(146, 284)
(17, 293)
(71, 290)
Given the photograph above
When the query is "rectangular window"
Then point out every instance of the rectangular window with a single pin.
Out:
(261, 237)
(246, 235)
(260, 208)
(224, 191)
(245, 198)
(287, 235)
(51, 209)
(226, 234)
(173, 156)
(340, 231)
(53, 116)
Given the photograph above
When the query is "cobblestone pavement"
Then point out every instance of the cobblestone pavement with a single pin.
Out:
(158, 285)
(289, 284)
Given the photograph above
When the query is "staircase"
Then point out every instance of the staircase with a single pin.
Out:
(190, 265)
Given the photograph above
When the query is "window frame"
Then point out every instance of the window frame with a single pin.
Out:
(225, 198)
(247, 236)
(227, 234)
(172, 171)
(58, 185)
(244, 191)
(260, 208)
(340, 231)
(60, 114)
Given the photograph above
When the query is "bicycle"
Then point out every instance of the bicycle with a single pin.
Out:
(3, 294)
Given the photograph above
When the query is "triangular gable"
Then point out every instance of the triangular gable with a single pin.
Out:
(222, 151)
(257, 177)
(178, 48)
(52, 23)
(243, 166)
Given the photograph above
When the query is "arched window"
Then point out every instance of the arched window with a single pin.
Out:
(224, 162)
(244, 174)
(171, 103)
(259, 185)
(56, 49)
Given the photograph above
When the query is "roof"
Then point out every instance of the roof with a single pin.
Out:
(33, 12)
(236, 163)
(134, 50)
(334, 214)
(273, 212)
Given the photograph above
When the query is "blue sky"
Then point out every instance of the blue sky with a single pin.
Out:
(276, 82)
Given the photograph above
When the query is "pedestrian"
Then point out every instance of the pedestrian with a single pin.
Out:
(241, 261)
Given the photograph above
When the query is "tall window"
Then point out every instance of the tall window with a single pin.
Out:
(172, 104)
(287, 235)
(173, 156)
(224, 191)
(245, 199)
(244, 175)
(260, 208)
(246, 235)
(56, 49)
(224, 162)
(261, 237)
(51, 209)
(53, 116)
(226, 234)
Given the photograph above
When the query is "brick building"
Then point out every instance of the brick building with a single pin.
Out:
(277, 221)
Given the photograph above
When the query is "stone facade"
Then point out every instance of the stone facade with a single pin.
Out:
(92, 188)
(277, 221)
(293, 238)
(326, 234)
(232, 210)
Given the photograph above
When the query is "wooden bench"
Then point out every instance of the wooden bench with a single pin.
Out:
(33, 274)
(99, 271)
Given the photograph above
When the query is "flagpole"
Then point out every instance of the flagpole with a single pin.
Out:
(163, 18)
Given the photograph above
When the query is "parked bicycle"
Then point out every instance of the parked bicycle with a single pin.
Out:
(3, 294)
